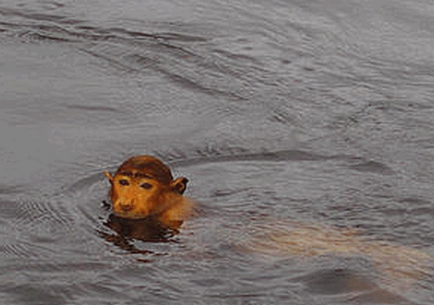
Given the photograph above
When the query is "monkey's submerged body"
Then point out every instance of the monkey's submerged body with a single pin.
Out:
(144, 187)
(143, 190)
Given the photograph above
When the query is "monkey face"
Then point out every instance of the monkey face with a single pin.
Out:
(133, 197)
(135, 193)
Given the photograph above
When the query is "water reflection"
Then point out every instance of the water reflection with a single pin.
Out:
(127, 230)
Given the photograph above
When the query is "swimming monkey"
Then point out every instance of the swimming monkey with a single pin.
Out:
(143, 187)
(143, 190)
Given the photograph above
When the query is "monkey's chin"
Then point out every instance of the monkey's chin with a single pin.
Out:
(129, 215)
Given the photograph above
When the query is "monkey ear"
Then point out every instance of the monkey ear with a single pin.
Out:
(109, 177)
(179, 185)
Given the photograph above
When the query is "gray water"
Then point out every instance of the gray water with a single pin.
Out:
(280, 113)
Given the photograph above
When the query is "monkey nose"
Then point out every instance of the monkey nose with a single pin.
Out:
(126, 205)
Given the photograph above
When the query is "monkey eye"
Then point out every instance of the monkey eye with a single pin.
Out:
(146, 186)
(124, 182)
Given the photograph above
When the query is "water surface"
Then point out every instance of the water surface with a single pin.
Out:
(297, 123)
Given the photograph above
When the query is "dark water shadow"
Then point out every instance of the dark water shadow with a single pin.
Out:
(373, 167)
(354, 162)
(336, 281)
(127, 230)
(349, 285)
(283, 155)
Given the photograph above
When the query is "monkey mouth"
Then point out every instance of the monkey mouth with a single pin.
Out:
(126, 208)
(128, 214)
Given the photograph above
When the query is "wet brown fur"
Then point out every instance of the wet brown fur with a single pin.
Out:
(143, 186)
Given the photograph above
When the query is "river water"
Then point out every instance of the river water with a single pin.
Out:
(298, 124)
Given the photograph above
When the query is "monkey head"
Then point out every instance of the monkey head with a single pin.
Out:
(144, 186)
